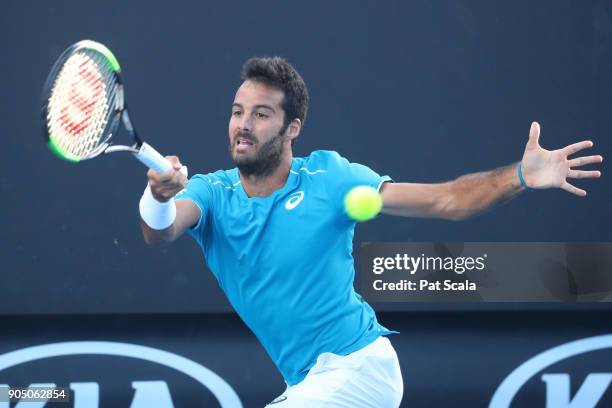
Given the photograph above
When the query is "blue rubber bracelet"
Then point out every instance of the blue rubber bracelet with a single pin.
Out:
(522, 180)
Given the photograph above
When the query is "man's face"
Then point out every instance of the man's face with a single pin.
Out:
(256, 128)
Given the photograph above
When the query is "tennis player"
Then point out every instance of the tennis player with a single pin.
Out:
(275, 236)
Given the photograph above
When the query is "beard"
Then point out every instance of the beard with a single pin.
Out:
(266, 159)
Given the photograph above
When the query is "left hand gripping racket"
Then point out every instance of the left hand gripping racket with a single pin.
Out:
(83, 103)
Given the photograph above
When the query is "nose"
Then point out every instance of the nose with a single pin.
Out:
(245, 124)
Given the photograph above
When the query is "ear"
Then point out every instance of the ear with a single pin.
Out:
(294, 128)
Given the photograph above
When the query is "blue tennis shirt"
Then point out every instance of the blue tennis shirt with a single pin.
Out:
(285, 261)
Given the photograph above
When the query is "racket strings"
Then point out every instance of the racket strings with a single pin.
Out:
(81, 103)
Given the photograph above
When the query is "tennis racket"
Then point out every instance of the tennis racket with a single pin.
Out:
(83, 104)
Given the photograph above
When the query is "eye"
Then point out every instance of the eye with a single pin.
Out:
(236, 113)
(261, 115)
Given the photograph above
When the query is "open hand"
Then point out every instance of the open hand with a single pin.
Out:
(545, 168)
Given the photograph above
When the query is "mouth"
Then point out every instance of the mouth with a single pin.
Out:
(243, 145)
(242, 141)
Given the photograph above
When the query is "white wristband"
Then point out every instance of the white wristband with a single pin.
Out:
(156, 215)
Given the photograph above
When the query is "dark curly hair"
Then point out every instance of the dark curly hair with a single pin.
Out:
(280, 74)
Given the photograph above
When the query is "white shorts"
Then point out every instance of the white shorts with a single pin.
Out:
(369, 377)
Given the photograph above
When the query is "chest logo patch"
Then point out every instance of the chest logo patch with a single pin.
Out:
(294, 199)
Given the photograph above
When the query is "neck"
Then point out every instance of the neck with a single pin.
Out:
(264, 186)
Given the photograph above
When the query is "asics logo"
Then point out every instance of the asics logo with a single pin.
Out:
(294, 200)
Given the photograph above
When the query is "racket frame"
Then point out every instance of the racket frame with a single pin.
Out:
(141, 150)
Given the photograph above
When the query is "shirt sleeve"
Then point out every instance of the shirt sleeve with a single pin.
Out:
(343, 175)
(199, 191)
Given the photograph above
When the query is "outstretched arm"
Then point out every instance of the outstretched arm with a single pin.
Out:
(473, 193)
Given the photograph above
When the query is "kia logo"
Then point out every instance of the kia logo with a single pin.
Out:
(558, 384)
(146, 392)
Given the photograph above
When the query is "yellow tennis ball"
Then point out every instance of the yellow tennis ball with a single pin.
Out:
(362, 203)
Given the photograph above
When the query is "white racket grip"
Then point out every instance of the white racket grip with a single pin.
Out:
(152, 159)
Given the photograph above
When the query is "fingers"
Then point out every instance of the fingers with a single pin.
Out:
(581, 161)
(584, 174)
(182, 179)
(152, 175)
(576, 147)
(176, 164)
(177, 176)
(534, 134)
(164, 191)
(572, 189)
(168, 178)
(166, 185)
(166, 175)
(155, 177)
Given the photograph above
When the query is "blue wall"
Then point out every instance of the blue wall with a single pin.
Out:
(423, 91)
